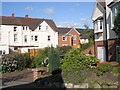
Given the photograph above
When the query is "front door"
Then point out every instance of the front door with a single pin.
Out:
(101, 53)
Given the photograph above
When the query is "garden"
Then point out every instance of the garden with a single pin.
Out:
(72, 70)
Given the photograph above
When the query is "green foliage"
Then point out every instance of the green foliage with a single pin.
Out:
(15, 62)
(53, 60)
(39, 59)
(74, 76)
(23, 61)
(64, 49)
(87, 45)
(75, 59)
(116, 70)
(102, 68)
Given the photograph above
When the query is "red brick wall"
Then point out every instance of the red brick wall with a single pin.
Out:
(91, 48)
(69, 42)
(111, 49)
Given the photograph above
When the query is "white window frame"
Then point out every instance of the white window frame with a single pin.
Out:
(32, 38)
(36, 38)
(15, 37)
(49, 37)
(65, 38)
(25, 38)
(15, 29)
(74, 36)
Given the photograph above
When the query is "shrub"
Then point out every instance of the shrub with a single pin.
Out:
(75, 59)
(39, 59)
(23, 61)
(14, 62)
(8, 64)
(102, 68)
(116, 70)
(53, 61)
(64, 49)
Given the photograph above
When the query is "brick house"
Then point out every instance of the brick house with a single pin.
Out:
(105, 37)
(68, 37)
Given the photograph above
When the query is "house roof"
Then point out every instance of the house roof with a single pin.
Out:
(24, 21)
(63, 31)
(84, 37)
(102, 2)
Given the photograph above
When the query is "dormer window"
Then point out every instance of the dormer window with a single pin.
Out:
(40, 27)
(15, 29)
(46, 27)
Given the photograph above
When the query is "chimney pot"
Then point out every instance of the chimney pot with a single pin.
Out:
(26, 15)
(13, 14)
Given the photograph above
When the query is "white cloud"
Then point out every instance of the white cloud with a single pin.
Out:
(83, 19)
(29, 8)
(49, 11)
(68, 24)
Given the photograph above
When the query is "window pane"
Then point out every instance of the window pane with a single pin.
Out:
(15, 37)
(25, 38)
(36, 38)
(15, 28)
(48, 38)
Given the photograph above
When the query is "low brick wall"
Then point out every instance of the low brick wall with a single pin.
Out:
(91, 48)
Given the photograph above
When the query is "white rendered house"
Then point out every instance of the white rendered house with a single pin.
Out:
(105, 37)
(23, 33)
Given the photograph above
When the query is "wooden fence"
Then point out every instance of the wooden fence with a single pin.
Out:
(33, 52)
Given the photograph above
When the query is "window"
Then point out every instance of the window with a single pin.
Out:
(25, 38)
(100, 24)
(15, 37)
(15, 48)
(15, 29)
(0, 36)
(0, 52)
(64, 38)
(39, 27)
(46, 27)
(36, 38)
(73, 37)
(26, 27)
(48, 38)
(23, 28)
(32, 37)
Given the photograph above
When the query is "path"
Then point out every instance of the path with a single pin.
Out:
(18, 79)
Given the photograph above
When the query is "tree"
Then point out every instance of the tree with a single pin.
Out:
(86, 26)
(117, 25)
(54, 60)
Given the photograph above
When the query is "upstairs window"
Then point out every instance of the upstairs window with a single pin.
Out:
(25, 38)
(40, 27)
(73, 37)
(15, 37)
(48, 38)
(15, 29)
(64, 38)
(36, 38)
(32, 37)
(23, 28)
(26, 27)
(101, 23)
(46, 27)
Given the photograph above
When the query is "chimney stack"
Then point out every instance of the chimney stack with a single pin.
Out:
(13, 14)
(26, 15)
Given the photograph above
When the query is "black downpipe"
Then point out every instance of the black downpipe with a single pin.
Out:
(106, 41)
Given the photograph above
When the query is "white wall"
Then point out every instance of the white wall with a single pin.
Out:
(7, 35)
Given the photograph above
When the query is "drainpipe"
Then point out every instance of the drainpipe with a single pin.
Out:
(106, 41)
